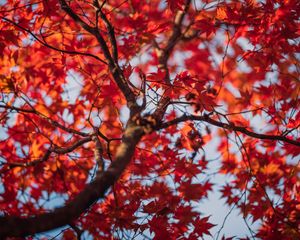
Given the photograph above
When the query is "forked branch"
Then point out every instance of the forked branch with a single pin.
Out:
(20, 227)
(112, 63)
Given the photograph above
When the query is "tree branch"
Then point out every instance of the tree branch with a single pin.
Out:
(53, 122)
(12, 165)
(110, 29)
(64, 150)
(113, 66)
(50, 46)
(23, 226)
(164, 55)
(229, 126)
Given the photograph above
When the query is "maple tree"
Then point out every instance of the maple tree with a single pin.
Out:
(156, 82)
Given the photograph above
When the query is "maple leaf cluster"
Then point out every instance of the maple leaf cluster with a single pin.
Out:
(112, 109)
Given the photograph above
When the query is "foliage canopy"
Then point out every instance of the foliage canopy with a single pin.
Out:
(114, 107)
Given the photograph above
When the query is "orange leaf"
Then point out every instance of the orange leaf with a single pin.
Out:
(221, 13)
